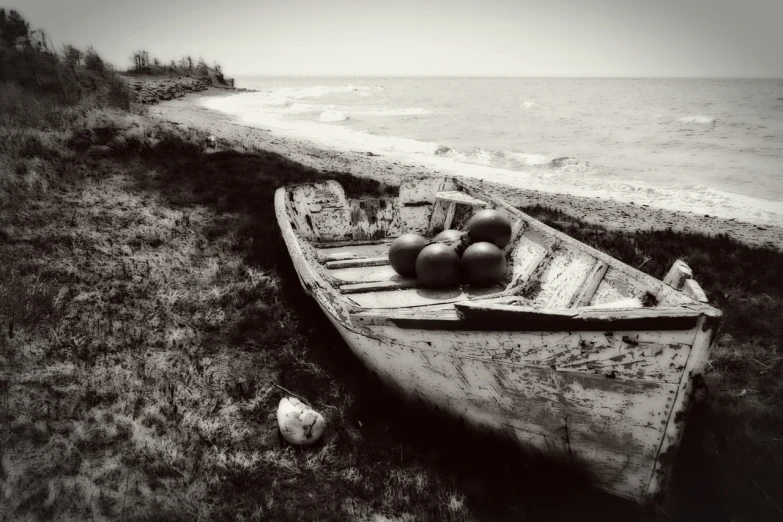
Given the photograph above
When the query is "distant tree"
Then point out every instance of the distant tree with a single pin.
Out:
(219, 73)
(37, 40)
(140, 61)
(202, 67)
(190, 64)
(72, 55)
(93, 62)
(13, 28)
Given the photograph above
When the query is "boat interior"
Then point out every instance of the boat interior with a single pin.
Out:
(347, 241)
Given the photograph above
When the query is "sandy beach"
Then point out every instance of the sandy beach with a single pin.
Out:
(189, 112)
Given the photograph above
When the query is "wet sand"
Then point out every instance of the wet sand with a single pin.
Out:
(613, 215)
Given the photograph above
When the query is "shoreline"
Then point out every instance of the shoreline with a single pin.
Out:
(613, 215)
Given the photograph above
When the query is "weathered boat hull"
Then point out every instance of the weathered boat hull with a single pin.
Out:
(604, 396)
(609, 430)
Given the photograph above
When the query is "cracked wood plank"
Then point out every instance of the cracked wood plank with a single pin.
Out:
(525, 257)
(705, 336)
(423, 190)
(456, 196)
(449, 218)
(438, 218)
(358, 262)
(586, 293)
(616, 285)
(564, 276)
(415, 219)
(633, 355)
(374, 295)
(614, 430)
(367, 274)
(479, 317)
(378, 286)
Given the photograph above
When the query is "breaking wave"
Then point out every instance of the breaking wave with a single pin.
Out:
(330, 116)
(414, 111)
(323, 90)
(566, 164)
(703, 120)
(512, 160)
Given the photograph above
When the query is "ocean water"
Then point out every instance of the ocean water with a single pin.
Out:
(710, 146)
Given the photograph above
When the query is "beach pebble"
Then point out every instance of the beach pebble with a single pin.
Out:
(299, 424)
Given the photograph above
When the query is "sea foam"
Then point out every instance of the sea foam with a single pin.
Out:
(704, 120)
(332, 116)
(318, 91)
(657, 168)
(413, 111)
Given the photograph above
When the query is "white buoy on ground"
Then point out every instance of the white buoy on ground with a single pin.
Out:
(299, 424)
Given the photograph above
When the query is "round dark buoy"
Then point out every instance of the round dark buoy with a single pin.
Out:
(483, 263)
(490, 226)
(403, 253)
(438, 265)
(450, 236)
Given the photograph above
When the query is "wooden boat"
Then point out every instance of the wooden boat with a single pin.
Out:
(576, 356)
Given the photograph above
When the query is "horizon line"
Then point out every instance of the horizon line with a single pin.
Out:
(574, 77)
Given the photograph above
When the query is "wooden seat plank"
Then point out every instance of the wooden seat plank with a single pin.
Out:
(352, 251)
(379, 286)
(358, 262)
(365, 274)
(460, 198)
(586, 293)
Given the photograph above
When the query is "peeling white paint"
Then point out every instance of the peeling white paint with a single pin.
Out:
(617, 394)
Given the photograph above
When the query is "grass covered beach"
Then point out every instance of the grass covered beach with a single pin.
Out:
(150, 316)
(149, 310)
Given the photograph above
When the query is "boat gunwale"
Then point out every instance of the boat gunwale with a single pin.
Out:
(504, 318)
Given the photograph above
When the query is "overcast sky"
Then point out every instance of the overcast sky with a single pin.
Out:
(431, 37)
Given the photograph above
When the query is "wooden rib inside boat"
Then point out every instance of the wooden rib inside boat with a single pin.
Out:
(574, 355)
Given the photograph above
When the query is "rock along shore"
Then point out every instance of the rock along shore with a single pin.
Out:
(149, 90)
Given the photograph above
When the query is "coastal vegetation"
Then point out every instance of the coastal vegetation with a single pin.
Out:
(150, 319)
(28, 58)
(185, 66)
